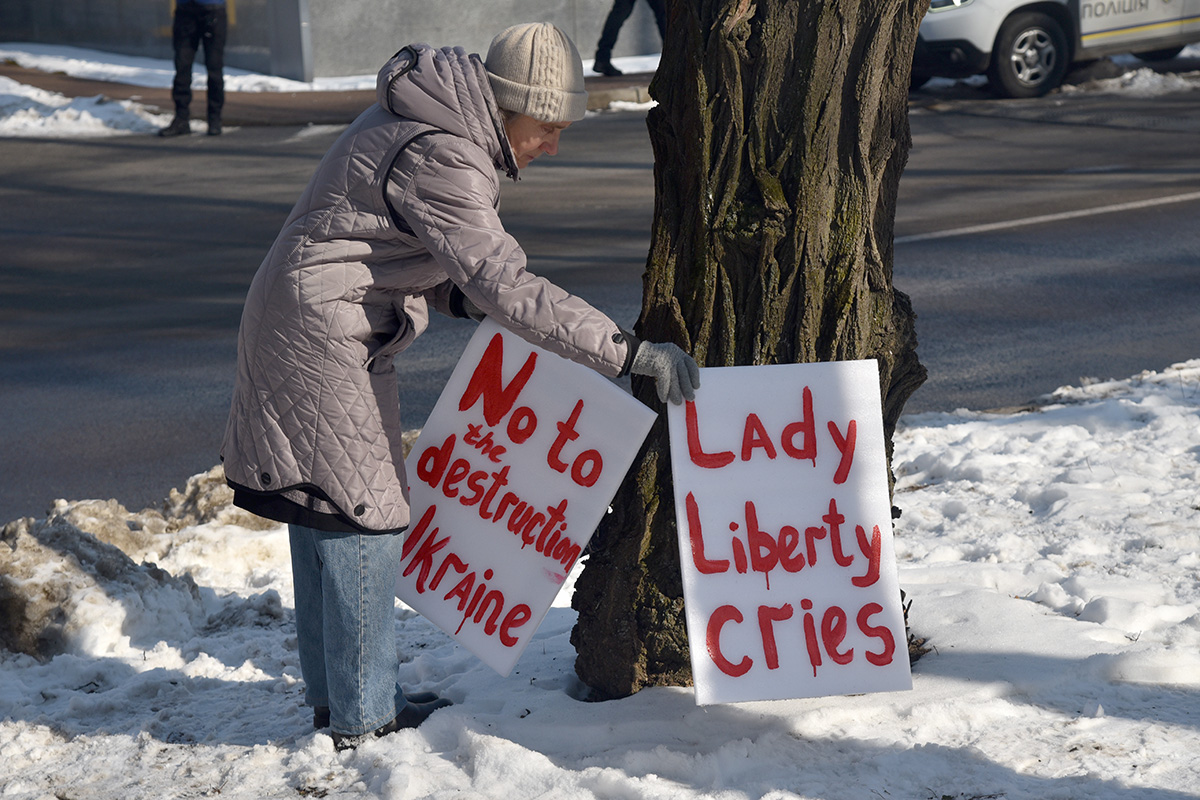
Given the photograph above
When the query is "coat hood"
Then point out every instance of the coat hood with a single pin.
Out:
(448, 89)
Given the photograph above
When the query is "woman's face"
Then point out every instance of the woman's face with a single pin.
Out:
(530, 137)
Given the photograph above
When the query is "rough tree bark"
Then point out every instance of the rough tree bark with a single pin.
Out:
(779, 138)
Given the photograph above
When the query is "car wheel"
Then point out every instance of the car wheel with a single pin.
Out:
(1166, 54)
(1030, 57)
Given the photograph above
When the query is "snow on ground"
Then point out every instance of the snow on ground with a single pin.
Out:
(31, 112)
(1052, 558)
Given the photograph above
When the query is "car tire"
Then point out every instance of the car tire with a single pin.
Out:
(1165, 54)
(1030, 56)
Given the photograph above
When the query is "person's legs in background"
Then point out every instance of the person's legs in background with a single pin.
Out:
(659, 7)
(216, 29)
(620, 11)
(185, 38)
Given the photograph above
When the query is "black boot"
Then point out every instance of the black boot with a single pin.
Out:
(214, 125)
(411, 717)
(178, 127)
(605, 67)
(421, 698)
(321, 713)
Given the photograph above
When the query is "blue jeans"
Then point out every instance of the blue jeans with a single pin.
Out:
(345, 625)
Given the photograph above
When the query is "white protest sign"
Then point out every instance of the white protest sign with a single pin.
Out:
(514, 469)
(785, 534)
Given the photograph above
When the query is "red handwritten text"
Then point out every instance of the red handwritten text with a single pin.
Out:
(797, 440)
(478, 602)
(834, 627)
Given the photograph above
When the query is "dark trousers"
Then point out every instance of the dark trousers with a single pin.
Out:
(620, 12)
(195, 25)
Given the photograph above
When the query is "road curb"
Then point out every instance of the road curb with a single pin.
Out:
(604, 90)
(288, 108)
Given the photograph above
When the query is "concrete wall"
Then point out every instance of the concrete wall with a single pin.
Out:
(351, 37)
(133, 27)
(342, 37)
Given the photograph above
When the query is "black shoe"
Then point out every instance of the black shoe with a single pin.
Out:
(321, 713)
(421, 697)
(605, 67)
(411, 717)
(178, 127)
(214, 126)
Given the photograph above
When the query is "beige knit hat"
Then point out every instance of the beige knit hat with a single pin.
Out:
(535, 70)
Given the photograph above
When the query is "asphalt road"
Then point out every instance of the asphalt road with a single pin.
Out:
(124, 263)
(1088, 263)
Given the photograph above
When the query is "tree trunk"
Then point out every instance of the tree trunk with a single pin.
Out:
(779, 138)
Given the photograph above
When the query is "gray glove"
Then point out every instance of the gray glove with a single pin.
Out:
(470, 308)
(676, 375)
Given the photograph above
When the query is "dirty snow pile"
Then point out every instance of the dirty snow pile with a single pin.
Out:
(1052, 558)
(1138, 80)
(31, 112)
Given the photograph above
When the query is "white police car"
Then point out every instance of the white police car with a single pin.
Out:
(1025, 46)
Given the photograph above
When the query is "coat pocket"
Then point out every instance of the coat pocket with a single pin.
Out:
(412, 316)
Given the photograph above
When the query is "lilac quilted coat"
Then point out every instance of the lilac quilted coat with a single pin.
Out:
(400, 215)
